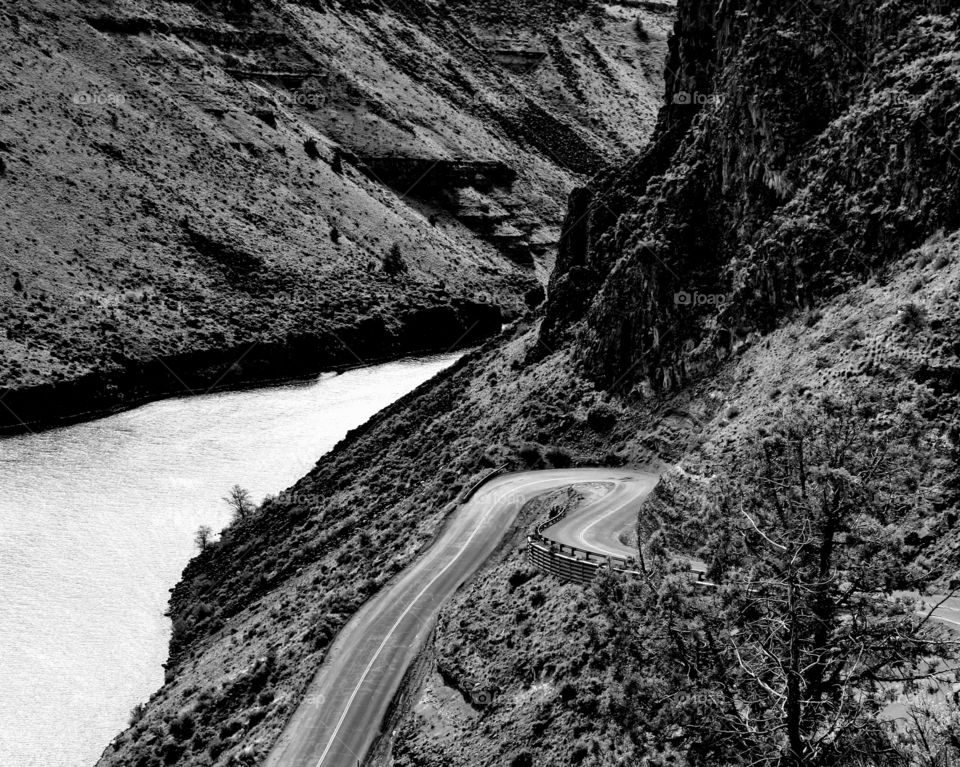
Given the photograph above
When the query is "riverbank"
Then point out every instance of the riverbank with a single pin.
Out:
(129, 383)
(254, 616)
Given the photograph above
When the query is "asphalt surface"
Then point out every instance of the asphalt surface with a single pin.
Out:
(348, 699)
(605, 525)
(948, 612)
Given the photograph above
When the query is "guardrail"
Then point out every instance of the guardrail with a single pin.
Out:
(575, 564)
(570, 563)
(581, 566)
(550, 522)
(483, 480)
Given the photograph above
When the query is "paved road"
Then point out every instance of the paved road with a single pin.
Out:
(948, 612)
(604, 525)
(946, 609)
(348, 699)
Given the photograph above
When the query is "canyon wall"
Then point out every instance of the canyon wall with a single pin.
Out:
(800, 150)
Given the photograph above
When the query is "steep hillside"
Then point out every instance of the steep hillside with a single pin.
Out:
(255, 613)
(575, 674)
(200, 194)
(775, 245)
(788, 238)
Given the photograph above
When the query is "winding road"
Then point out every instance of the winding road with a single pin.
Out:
(348, 699)
(604, 527)
(345, 704)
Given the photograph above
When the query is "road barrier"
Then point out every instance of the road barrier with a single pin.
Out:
(561, 513)
(483, 480)
(570, 563)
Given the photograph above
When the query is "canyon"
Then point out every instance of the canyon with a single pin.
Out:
(758, 259)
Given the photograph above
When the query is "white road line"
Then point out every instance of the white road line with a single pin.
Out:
(490, 509)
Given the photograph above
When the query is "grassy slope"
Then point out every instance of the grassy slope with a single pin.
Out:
(825, 264)
(279, 587)
(172, 216)
(254, 614)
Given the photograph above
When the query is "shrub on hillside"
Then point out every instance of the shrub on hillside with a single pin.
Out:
(912, 316)
(601, 418)
(641, 31)
(530, 455)
(559, 458)
(393, 263)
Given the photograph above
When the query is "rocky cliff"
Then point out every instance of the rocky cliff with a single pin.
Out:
(800, 150)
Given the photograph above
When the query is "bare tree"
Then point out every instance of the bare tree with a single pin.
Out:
(238, 499)
(789, 653)
(933, 733)
(203, 537)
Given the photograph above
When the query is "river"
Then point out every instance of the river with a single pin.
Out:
(97, 522)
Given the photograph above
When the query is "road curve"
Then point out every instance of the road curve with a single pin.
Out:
(347, 700)
(605, 530)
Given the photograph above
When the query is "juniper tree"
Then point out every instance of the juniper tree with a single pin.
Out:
(787, 656)
(203, 537)
(394, 264)
(806, 635)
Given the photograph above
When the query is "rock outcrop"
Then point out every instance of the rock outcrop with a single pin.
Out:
(799, 150)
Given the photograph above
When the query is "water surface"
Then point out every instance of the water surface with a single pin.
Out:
(97, 522)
